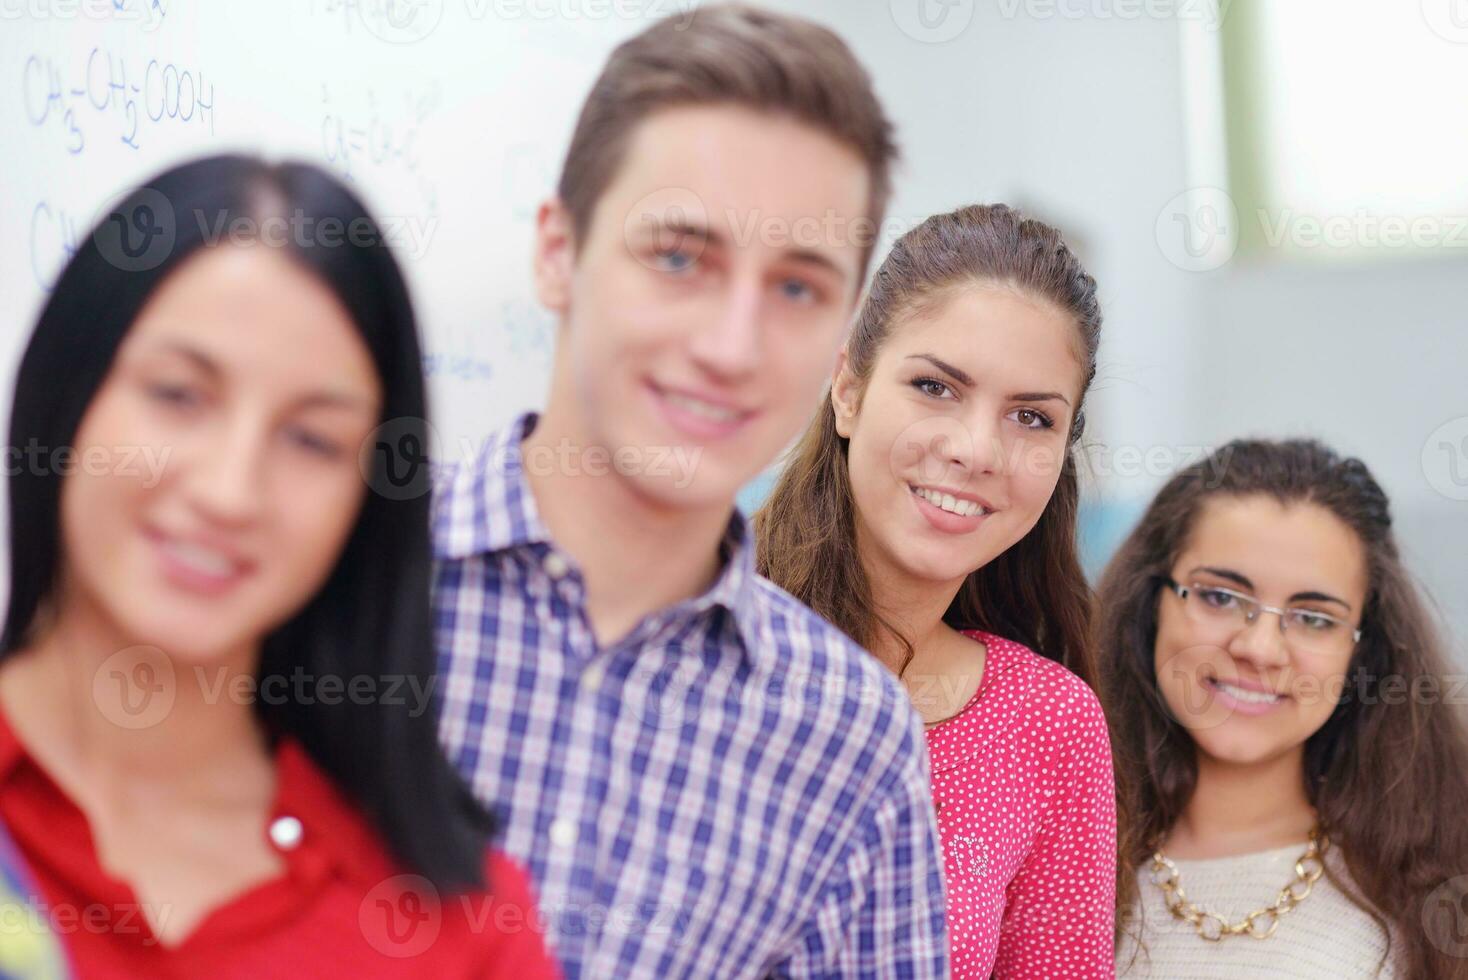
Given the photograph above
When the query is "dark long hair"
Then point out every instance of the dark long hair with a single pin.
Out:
(372, 616)
(1035, 592)
(1389, 780)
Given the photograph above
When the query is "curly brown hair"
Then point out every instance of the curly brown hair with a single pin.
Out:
(1389, 780)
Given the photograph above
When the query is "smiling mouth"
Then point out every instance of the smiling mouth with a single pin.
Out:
(947, 502)
(702, 409)
(197, 567)
(699, 417)
(1241, 693)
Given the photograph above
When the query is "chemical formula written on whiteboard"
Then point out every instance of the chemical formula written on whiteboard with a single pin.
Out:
(106, 95)
(383, 135)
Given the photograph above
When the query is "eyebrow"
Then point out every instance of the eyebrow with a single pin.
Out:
(207, 364)
(963, 379)
(1243, 581)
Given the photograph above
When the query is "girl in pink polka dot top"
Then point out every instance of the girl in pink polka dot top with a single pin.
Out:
(930, 513)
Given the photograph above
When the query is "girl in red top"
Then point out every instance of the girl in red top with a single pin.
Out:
(930, 512)
(217, 722)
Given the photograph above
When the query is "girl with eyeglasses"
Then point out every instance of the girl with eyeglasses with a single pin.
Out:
(1292, 767)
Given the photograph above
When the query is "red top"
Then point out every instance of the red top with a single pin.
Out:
(342, 908)
(1024, 790)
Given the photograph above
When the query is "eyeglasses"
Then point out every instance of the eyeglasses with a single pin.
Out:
(1302, 627)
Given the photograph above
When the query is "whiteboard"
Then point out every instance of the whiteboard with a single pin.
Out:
(450, 118)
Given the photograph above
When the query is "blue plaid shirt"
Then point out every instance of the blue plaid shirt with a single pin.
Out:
(732, 790)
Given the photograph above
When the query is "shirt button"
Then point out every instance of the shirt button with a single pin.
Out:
(286, 832)
(563, 832)
(592, 676)
(555, 566)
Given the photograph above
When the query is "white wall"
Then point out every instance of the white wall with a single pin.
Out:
(1074, 109)
(1082, 120)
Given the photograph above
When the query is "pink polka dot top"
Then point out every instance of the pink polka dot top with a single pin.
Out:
(1023, 786)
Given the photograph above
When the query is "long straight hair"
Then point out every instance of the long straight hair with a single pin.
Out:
(1035, 592)
(372, 616)
(1388, 779)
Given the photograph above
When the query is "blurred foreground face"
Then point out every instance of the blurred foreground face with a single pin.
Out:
(703, 311)
(957, 442)
(230, 422)
(1246, 692)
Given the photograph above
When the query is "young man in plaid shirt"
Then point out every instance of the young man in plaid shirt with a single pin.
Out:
(703, 777)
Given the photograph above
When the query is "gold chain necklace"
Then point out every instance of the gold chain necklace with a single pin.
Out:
(1260, 923)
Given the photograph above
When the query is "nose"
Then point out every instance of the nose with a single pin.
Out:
(983, 451)
(1261, 643)
(225, 478)
(730, 345)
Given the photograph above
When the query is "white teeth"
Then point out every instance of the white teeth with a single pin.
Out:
(204, 560)
(1240, 694)
(946, 501)
(702, 409)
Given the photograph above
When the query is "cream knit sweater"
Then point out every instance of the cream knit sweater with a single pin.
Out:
(1325, 937)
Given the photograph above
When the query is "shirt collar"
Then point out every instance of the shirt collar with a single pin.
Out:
(334, 836)
(484, 505)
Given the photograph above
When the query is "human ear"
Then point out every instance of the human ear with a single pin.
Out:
(845, 400)
(554, 256)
